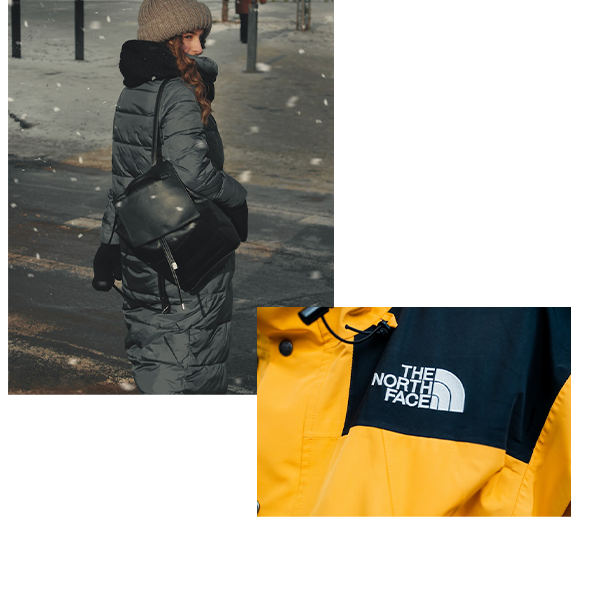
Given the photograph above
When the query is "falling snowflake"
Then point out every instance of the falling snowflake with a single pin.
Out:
(25, 23)
(13, 205)
(58, 84)
(316, 161)
(325, 102)
(73, 178)
(37, 255)
(10, 99)
(263, 67)
(56, 109)
(35, 229)
(245, 176)
(108, 19)
(95, 25)
(292, 101)
(126, 386)
(73, 361)
(80, 235)
(318, 121)
(97, 188)
(30, 275)
(77, 132)
(323, 75)
(316, 274)
(301, 51)
(80, 159)
(254, 129)
(16, 180)
(101, 37)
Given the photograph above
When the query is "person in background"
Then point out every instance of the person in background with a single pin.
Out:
(175, 347)
(392, 411)
(241, 8)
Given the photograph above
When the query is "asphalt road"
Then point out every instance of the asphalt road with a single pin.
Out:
(66, 338)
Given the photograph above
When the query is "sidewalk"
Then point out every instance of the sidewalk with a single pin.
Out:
(276, 124)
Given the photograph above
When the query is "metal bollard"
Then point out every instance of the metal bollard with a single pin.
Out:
(303, 15)
(252, 37)
(15, 26)
(78, 29)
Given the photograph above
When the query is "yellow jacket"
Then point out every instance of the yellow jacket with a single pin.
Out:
(458, 411)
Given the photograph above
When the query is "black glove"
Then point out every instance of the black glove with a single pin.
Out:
(107, 267)
(239, 217)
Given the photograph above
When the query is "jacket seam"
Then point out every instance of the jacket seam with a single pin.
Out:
(305, 474)
(387, 472)
(538, 444)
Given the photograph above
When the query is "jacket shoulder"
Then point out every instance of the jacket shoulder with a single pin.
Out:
(142, 99)
(176, 91)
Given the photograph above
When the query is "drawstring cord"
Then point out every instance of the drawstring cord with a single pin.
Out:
(172, 266)
(382, 328)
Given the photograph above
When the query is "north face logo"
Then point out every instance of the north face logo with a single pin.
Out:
(423, 387)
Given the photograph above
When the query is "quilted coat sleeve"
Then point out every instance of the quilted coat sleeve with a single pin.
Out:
(185, 145)
(107, 235)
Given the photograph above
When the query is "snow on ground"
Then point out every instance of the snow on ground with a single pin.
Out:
(63, 108)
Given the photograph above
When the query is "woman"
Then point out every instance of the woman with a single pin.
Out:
(172, 349)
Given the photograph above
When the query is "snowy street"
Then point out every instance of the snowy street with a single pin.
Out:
(277, 127)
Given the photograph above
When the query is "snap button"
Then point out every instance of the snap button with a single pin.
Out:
(286, 347)
(257, 507)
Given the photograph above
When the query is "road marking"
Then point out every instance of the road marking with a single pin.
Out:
(41, 264)
(241, 390)
(85, 223)
(294, 215)
(90, 364)
(45, 186)
(318, 220)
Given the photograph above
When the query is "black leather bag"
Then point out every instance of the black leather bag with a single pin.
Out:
(183, 240)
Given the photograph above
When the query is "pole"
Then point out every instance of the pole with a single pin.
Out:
(15, 23)
(225, 11)
(78, 29)
(303, 15)
(252, 37)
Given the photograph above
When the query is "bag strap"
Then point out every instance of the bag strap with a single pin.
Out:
(156, 154)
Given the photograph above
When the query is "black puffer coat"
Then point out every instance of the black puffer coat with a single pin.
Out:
(184, 351)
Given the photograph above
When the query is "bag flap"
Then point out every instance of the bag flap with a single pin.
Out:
(155, 204)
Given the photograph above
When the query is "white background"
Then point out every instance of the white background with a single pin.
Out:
(466, 174)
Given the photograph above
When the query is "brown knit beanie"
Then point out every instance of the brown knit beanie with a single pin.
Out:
(161, 20)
